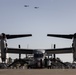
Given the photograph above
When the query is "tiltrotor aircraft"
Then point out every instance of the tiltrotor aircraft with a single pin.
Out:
(39, 54)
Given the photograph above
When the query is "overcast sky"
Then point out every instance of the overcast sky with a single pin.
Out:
(52, 17)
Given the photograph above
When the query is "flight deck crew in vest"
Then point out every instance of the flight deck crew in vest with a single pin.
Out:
(49, 64)
(45, 62)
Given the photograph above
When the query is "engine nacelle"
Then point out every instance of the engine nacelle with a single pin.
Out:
(74, 49)
(3, 50)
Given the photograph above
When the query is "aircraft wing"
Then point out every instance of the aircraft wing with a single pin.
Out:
(19, 50)
(70, 36)
(59, 50)
(17, 36)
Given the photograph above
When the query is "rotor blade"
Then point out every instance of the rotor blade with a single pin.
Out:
(18, 36)
(61, 36)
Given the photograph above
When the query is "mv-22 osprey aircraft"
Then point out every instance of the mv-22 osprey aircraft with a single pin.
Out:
(39, 54)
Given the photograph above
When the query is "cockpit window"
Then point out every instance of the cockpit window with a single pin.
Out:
(38, 55)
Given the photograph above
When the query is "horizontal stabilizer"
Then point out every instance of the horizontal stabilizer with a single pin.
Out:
(59, 51)
(19, 50)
